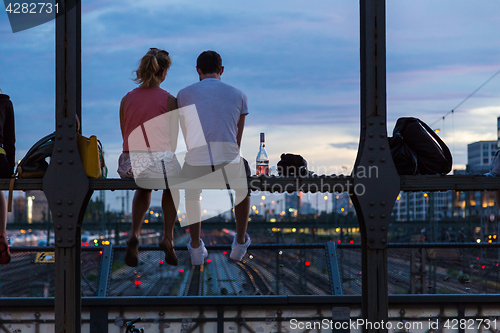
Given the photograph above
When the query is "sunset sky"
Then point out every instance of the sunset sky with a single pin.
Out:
(297, 61)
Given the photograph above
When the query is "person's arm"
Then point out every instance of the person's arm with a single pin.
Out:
(9, 136)
(241, 125)
(174, 121)
(122, 104)
(241, 122)
(182, 120)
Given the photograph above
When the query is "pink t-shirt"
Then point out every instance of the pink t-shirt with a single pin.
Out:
(141, 106)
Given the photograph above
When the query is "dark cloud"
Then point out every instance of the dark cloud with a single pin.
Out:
(347, 145)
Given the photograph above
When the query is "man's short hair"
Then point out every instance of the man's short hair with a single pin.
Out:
(209, 62)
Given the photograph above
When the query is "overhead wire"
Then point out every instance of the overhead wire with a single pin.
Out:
(466, 98)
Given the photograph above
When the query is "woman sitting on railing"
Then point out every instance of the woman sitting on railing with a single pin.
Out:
(146, 120)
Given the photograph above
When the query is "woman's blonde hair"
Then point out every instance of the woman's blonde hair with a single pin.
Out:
(151, 67)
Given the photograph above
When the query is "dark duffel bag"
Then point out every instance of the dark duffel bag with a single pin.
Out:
(291, 165)
(416, 148)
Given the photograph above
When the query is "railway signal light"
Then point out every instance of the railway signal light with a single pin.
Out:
(308, 263)
(181, 270)
(137, 282)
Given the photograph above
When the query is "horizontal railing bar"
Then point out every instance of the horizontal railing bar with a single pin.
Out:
(274, 246)
(208, 224)
(165, 301)
(426, 245)
(181, 247)
(22, 184)
(445, 183)
(305, 184)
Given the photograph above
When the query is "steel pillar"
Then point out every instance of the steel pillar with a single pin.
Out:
(65, 183)
(376, 182)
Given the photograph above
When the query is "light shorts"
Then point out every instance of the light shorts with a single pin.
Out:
(148, 165)
(233, 170)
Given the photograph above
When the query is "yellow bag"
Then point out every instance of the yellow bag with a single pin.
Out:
(92, 157)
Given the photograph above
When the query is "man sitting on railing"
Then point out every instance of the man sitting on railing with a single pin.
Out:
(212, 131)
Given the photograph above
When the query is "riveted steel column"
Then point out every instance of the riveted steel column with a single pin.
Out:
(65, 183)
(376, 182)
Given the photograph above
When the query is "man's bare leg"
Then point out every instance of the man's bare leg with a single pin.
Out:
(193, 212)
(241, 212)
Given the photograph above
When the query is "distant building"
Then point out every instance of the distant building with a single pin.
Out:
(420, 206)
(307, 208)
(293, 201)
(480, 155)
(341, 203)
(19, 209)
(498, 132)
(37, 207)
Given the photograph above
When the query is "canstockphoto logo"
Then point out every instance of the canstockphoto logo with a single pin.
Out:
(211, 165)
(28, 14)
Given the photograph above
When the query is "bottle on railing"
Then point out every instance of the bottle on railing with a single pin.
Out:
(262, 159)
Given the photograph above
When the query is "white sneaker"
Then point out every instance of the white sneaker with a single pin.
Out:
(197, 255)
(238, 250)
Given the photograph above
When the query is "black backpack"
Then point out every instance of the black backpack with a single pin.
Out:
(292, 165)
(34, 164)
(416, 148)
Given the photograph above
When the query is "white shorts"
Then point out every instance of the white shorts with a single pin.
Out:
(155, 165)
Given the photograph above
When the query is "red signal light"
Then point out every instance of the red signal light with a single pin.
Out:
(482, 267)
(224, 253)
(181, 270)
(308, 263)
(137, 283)
(208, 260)
(82, 243)
(160, 262)
(86, 243)
(339, 241)
(352, 242)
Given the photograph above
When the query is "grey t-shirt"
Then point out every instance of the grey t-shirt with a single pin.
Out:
(218, 110)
